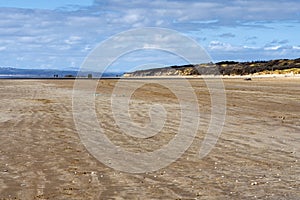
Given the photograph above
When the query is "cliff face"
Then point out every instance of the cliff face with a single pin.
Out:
(224, 68)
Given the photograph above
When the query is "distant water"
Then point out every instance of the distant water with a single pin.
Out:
(17, 76)
(8, 72)
(20, 76)
(5, 76)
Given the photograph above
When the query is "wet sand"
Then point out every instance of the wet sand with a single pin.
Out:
(256, 157)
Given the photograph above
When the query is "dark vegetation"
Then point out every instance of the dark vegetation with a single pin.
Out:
(222, 68)
(245, 68)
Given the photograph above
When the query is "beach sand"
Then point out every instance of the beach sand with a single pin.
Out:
(256, 156)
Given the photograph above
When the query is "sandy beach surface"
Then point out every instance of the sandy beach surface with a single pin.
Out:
(256, 156)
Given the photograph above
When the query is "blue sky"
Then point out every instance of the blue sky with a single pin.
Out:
(43, 4)
(60, 34)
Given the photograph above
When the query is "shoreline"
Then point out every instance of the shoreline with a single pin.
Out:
(162, 77)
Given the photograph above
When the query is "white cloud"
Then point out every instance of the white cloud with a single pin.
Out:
(204, 12)
(26, 39)
(296, 47)
(251, 47)
(222, 46)
(73, 40)
(273, 48)
(132, 18)
(87, 48)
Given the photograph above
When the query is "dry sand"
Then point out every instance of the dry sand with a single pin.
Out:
(256, 157)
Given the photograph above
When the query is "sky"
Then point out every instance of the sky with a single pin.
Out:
(47, 34)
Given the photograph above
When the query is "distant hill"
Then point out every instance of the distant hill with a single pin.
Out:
(9, 72)
(224, 68)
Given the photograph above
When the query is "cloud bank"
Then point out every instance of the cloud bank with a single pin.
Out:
(229, 30)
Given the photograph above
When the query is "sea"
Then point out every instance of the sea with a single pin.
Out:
(47, 76)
